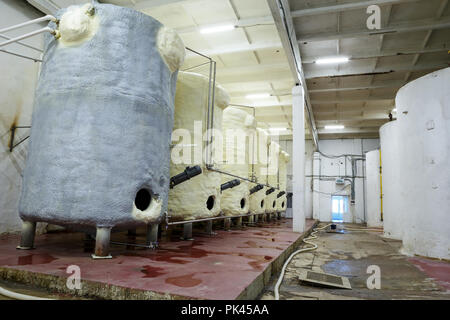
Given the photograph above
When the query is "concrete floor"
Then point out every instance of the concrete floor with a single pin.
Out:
(234, 264)
(349, 254)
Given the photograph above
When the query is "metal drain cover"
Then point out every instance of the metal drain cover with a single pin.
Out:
(323, 279)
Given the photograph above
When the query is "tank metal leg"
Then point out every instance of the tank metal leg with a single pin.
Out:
(251, 220)
(152, 235)
(256, 218)
(27, 237)
(102, 239)
(187, 231)
(209, 228)
(227, 224)
(239, 222)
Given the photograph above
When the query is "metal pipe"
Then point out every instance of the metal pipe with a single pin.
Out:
(210, 219)
(22, 43)
(233, 175)
(21, 55)
(28, 35)
(24, 24)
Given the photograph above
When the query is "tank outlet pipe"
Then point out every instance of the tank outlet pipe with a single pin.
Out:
(230, 184)
(31, 34)
(279, 195)
(256, 188)
(24, 24)
(187, 174)
(270, 191)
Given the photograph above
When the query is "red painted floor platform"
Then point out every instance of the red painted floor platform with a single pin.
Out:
(230, 265)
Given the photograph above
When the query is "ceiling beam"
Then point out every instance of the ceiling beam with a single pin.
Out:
(386, 53)
(283, 21)
(352, 100)
(147, 4)
(238, 48)
(238, 23)
(386, 84)
(367, 70)
(45, 6)
(344, 7)
(409, 26)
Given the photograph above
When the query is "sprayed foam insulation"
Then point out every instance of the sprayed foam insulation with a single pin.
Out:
(198, 197)
(236, 124)
(99, 150)
(283, 161)
(257, 199)
(273, 176)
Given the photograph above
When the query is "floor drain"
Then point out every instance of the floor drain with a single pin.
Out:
(323, 279)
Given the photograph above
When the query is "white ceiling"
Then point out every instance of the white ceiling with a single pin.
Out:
(414, 40)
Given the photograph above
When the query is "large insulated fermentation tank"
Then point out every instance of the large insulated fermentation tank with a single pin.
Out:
(273, 177)
(235, 127)
(373, 190)
(198, 197)
(392, 211)
(257, 197)
(282, 193)
(99, 153)
(423, 108)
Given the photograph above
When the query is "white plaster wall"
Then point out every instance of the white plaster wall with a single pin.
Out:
(332, 167)
(424, 150)
(17, 83)
(391, 166)
(373, 189)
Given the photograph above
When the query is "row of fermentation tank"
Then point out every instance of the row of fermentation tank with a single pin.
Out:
(414, 157)
(242, 151)
(108, 98)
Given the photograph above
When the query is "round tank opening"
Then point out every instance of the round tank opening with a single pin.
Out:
(210, 202)
(143, 199)
(262, 203)
(274, 204)
(242, 203)
(282, 204)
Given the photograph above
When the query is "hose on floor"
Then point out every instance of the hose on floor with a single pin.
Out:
(19, 296)
(312, 236)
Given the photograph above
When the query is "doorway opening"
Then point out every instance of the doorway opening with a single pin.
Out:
(339, 205)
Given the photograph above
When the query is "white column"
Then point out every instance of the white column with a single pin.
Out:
(316, 186)
(298, 159)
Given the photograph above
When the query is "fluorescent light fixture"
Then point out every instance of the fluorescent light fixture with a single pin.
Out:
(258, 96)
(277, 129)
(394, 110)
(222, 28)
(334, 127)
(332, 60)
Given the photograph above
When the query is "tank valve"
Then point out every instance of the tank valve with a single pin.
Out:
(281, 194)
(256, 188)
(230, 184)
(270, 191)
(187, 174)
